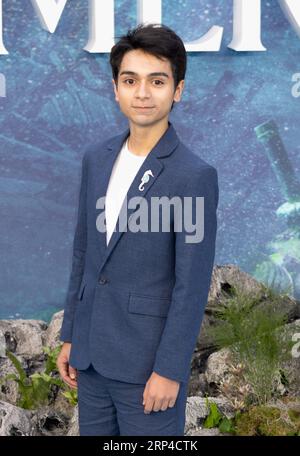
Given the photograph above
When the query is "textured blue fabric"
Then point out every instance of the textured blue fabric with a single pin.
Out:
(113, 407)
(136, 305)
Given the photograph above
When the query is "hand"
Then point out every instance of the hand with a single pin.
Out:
(159, 393)
(67, 372)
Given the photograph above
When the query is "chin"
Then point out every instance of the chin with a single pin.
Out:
(141, 120)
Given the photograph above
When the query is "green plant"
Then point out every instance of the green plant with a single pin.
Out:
(252, 327)
(264, 420)
(216, 419)
(34, 390)
(257, 420)
(51, 366)
(52, 355)
(71, 395)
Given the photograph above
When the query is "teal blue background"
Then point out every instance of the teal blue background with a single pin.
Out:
(59, 98)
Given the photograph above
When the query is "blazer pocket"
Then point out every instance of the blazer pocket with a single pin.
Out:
(149, 305)
(81, 291)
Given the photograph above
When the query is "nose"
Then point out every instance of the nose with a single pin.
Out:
(142, 90)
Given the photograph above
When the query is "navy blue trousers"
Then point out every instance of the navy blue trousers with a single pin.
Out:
(112, 407)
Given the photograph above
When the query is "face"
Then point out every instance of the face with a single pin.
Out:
(146, 98)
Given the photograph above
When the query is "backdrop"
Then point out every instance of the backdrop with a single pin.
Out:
(239, 111)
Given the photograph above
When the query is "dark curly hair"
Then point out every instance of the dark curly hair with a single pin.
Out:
(156, 39)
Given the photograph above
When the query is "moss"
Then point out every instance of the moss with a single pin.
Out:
(264, 420)
(294, 415)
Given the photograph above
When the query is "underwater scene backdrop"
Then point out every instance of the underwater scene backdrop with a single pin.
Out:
(239, 112)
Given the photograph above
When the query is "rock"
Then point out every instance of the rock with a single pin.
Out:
(23, 337)
(2, 344)
(291, 367)
(16, 421)
(224, 280)
(73, 426)
(50, 422)
(227, 276)
(211, 368)
(205, 432)
(198, 385)
(53, 331)
(226, 379)
(60, 404)
(288, 306)
(197, 411)
(8, 388)
(217, 367)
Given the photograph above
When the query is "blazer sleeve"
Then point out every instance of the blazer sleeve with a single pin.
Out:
(78, 258)
(193, 271)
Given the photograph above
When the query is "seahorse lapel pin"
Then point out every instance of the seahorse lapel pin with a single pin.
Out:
(145, 179)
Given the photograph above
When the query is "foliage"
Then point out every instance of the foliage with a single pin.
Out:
(264, 420)
(216, 419)
(258, 420)
(34, 390)
(252, 327)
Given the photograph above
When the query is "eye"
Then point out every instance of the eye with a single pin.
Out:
(155, 80)
(127, 80)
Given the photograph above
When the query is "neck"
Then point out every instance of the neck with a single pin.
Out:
(142, 139)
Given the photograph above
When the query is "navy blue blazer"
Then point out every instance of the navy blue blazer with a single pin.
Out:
(136, 305)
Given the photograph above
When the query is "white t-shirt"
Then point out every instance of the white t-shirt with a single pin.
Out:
(124, 171)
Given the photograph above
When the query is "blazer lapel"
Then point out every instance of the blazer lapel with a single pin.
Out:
(164, 147)
(103, 169)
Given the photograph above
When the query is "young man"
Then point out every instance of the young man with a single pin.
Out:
(136, 298)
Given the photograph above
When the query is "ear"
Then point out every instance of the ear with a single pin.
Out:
(115, 90)
(178, 91)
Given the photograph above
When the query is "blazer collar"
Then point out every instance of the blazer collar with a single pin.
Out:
(164, 147)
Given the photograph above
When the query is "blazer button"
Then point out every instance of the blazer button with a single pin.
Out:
(103, 280)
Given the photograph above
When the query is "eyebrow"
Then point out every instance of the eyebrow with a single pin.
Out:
(156, 73)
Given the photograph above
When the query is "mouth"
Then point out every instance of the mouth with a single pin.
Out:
(143, 107)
